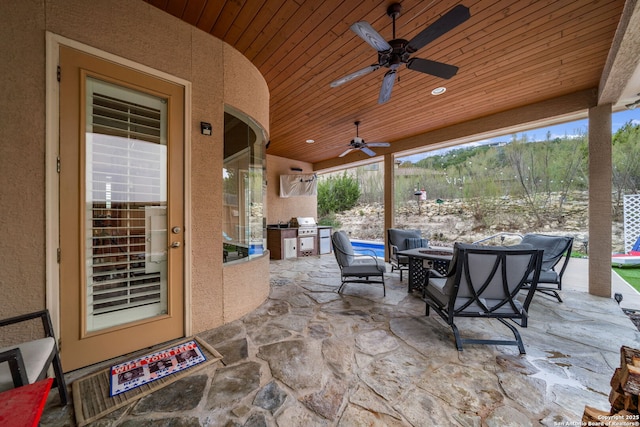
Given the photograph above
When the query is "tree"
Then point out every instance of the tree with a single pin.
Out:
(521, 156)
(546, 168)
(626, 162)
(569, 163)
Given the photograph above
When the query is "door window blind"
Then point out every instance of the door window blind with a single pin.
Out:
(126, 161)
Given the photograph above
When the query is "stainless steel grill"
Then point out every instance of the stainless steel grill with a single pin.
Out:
(306, 226)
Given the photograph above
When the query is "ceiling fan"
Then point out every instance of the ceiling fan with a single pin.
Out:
(396, 52)
(358, 143)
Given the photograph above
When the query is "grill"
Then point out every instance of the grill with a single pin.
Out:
(306, 226)
(307, 232)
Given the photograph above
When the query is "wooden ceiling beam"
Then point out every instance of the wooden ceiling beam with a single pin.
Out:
(623, 59)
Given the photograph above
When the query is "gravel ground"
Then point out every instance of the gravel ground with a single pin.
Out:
(634, 315)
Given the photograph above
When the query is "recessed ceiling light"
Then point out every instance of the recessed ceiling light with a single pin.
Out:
(310, 141)
(439, 90)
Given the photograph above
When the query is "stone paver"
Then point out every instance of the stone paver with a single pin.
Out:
(311, 357)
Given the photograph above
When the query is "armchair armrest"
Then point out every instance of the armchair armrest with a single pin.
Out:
(362, 256)
(361, 252)
(13, 356)
(16, 365)
(42, 314)
(437, 275)
(46, 348)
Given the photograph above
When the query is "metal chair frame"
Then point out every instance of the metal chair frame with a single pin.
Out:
(550, 281)
(491, 295)
(398, 262)
(361, 269)
(15, 359)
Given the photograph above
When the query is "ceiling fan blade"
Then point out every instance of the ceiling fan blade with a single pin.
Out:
(445, 23)
(346, 152)
(438, 69)
(356, 74)
(378, 144)
(368, 151)
(371, 36)
(387, 86)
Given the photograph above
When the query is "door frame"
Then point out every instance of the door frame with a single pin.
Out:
(52, 190)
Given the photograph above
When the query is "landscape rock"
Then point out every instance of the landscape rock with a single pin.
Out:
(463, 220)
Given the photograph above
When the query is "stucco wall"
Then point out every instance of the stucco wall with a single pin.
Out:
(145, 35)
(283, 209)
(243, 288)
(22, 181)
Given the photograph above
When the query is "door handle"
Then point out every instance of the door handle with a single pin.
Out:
(175, 244)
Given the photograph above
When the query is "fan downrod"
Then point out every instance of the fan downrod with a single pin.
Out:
(393, 11)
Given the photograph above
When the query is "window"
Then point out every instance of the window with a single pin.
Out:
(244, 188)
(126, 199)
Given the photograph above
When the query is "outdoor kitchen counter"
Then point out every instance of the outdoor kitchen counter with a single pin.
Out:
(288, 242)
(282, 242)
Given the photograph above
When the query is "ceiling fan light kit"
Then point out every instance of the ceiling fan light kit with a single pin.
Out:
(396, 52)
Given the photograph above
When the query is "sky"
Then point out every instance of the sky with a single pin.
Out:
(557, 131)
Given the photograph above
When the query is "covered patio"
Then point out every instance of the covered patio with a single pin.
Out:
(521, 65)
(310, 356)
(307, 355)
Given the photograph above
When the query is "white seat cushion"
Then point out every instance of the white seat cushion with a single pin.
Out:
(35, 355)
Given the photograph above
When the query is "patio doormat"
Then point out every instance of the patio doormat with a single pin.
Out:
(100, 393)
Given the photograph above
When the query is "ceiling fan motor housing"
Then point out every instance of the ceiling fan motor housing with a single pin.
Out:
(398, 54)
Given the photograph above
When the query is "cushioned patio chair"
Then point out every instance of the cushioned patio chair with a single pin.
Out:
(557, 253)
(356, 268)
(484, 282)
(400, 240)
(28, 362)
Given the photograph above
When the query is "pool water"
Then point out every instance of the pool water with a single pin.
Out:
(365, 247)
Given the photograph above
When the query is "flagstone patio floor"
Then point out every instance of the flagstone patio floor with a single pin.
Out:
(312, 357)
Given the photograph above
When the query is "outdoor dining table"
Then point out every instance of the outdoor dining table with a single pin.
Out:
(423, 260)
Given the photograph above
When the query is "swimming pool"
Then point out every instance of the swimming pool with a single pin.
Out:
(366, 247)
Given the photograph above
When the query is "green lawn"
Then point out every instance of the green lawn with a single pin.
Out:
(630, 275)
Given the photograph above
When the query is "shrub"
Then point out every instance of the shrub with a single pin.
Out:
(330, 221)
(337, 194)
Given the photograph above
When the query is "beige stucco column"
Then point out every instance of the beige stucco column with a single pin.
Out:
(600, 200)
(389, 174)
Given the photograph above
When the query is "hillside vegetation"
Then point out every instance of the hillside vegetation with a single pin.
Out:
(472, 192)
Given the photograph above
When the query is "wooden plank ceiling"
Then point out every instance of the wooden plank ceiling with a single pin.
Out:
(510, 53)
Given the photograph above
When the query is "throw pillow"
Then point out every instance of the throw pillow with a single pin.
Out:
(416, 242)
